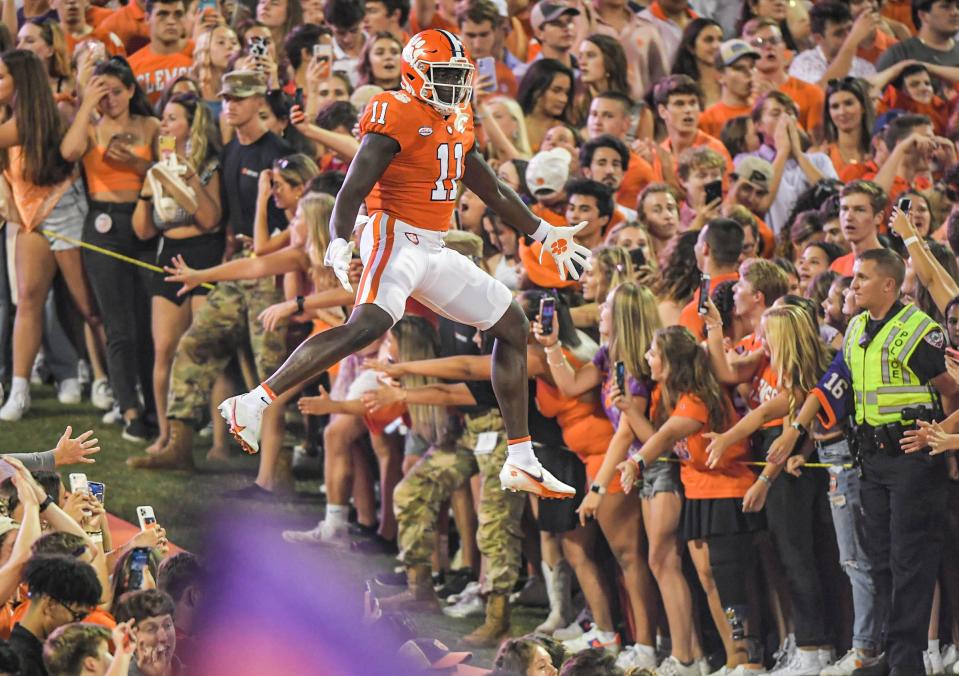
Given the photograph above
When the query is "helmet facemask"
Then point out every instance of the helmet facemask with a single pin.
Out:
(448, 86)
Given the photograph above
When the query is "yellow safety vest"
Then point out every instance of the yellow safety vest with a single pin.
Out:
(882, 383)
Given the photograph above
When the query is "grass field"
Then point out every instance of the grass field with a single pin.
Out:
(183, 500)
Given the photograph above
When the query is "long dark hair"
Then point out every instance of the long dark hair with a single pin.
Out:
(859, 89)
(538, 79)
(614, 60)
(680, 276)
(39, 123)
(685, 63)
(688, 372)
(117, 66)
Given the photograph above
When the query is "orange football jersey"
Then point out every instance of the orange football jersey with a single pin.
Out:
(419, 186)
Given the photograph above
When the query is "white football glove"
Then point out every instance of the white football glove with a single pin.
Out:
(565, 251)
(338, 255)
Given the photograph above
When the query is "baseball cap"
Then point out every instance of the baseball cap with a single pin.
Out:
(427, 653)
(755, 170)
(242, 84)
(549, 11)
(548, 171)
(732, 51)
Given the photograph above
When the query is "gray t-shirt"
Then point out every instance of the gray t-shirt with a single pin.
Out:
(913, 48)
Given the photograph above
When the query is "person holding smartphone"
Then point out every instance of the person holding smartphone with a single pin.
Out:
(189, 234)
(117, 152)
(718, 248)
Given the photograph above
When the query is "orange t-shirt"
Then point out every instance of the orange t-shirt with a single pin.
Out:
(767, 236)
(764, 386)
(586, 429)
(843, 264)
(33, 202)
(881, 42)
(701, 139)
(639, 174)
(854, 168)
(901, 11)
(155, 71)
(809, 99)
(938, 111)
(689, 317)
(419, 184)
(718, 114)
(853, 172)
(731, 479)
(96, 616)
(130, 25)
(111, 42)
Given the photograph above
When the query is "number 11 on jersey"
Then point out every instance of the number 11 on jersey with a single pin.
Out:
(449, 158)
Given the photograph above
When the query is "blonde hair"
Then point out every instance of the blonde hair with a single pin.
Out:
(203, 69)
(635, 321)
(796, 352)
(613, 266)
(316, 211)
(521, 142)
(416, 339)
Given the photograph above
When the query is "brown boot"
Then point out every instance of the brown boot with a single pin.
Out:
(495, 628)
(177, 454)
(418, 596)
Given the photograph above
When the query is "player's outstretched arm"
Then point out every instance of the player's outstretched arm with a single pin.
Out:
(371, 160)
(569, 256)
(478, 176)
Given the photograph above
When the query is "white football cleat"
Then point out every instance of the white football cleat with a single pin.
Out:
(514, 478)
(243, 421)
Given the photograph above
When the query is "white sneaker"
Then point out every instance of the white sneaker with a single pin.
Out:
(638, 657)
(704, 668)
(933, 662)
(83, 372)
(673, 667)
(472, 605)
(594, 638)
(576, 628)
(848, 663)
(803, 663)
(950, 656)
(244, 421)
(323, 534)
(545, 485)
(113, 416)
(471, 589)
(101, 394)
(69, 392)
(743, 670)
(15, 406)
(785, 653)
(722, 671)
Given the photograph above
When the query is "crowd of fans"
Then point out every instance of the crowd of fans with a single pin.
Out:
(753, 176)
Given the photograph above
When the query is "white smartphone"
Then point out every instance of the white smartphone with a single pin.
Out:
(78, 483)
(146, 517)
(323, 55)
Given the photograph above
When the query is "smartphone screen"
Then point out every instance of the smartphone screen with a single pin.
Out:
(97, 490)
(547, 309)
(703, 293)
(298, 98)
(905, 204)
(323, 54)
(621, 376)
(714, 191)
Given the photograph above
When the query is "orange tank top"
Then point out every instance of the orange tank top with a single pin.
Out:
(104, 175)
(34, 202)
(586, 429)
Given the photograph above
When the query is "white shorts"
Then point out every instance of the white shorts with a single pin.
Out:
(400, 261)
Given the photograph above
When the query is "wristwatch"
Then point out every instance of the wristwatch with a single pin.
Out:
(798, 427)
(597, 489)
(46, 503)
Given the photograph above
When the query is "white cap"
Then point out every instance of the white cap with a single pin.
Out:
(548, 170)
(501, 7)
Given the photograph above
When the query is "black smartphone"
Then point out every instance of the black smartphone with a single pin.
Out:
(714, 191)
(298, 98)
(139, 558)
(703, 293)
(637, 257)
(905, 204)
(547, 310)
(621, 376)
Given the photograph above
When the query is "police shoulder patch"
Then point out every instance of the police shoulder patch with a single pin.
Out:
(936, 338)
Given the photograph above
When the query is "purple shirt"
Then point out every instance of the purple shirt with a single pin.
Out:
(637, 388)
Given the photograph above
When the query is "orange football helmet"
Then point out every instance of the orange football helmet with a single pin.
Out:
(436, 69)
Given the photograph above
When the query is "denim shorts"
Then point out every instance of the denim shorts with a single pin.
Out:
(67, 218)
(660, 477)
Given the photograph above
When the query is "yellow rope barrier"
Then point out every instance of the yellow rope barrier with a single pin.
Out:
(113, 254)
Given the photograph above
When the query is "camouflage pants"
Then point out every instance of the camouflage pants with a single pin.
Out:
(225, 322)
(418, 497)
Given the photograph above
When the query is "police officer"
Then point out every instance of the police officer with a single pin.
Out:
(894, 355)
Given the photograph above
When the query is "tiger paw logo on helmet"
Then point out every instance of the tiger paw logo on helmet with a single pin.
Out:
(436, 70)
